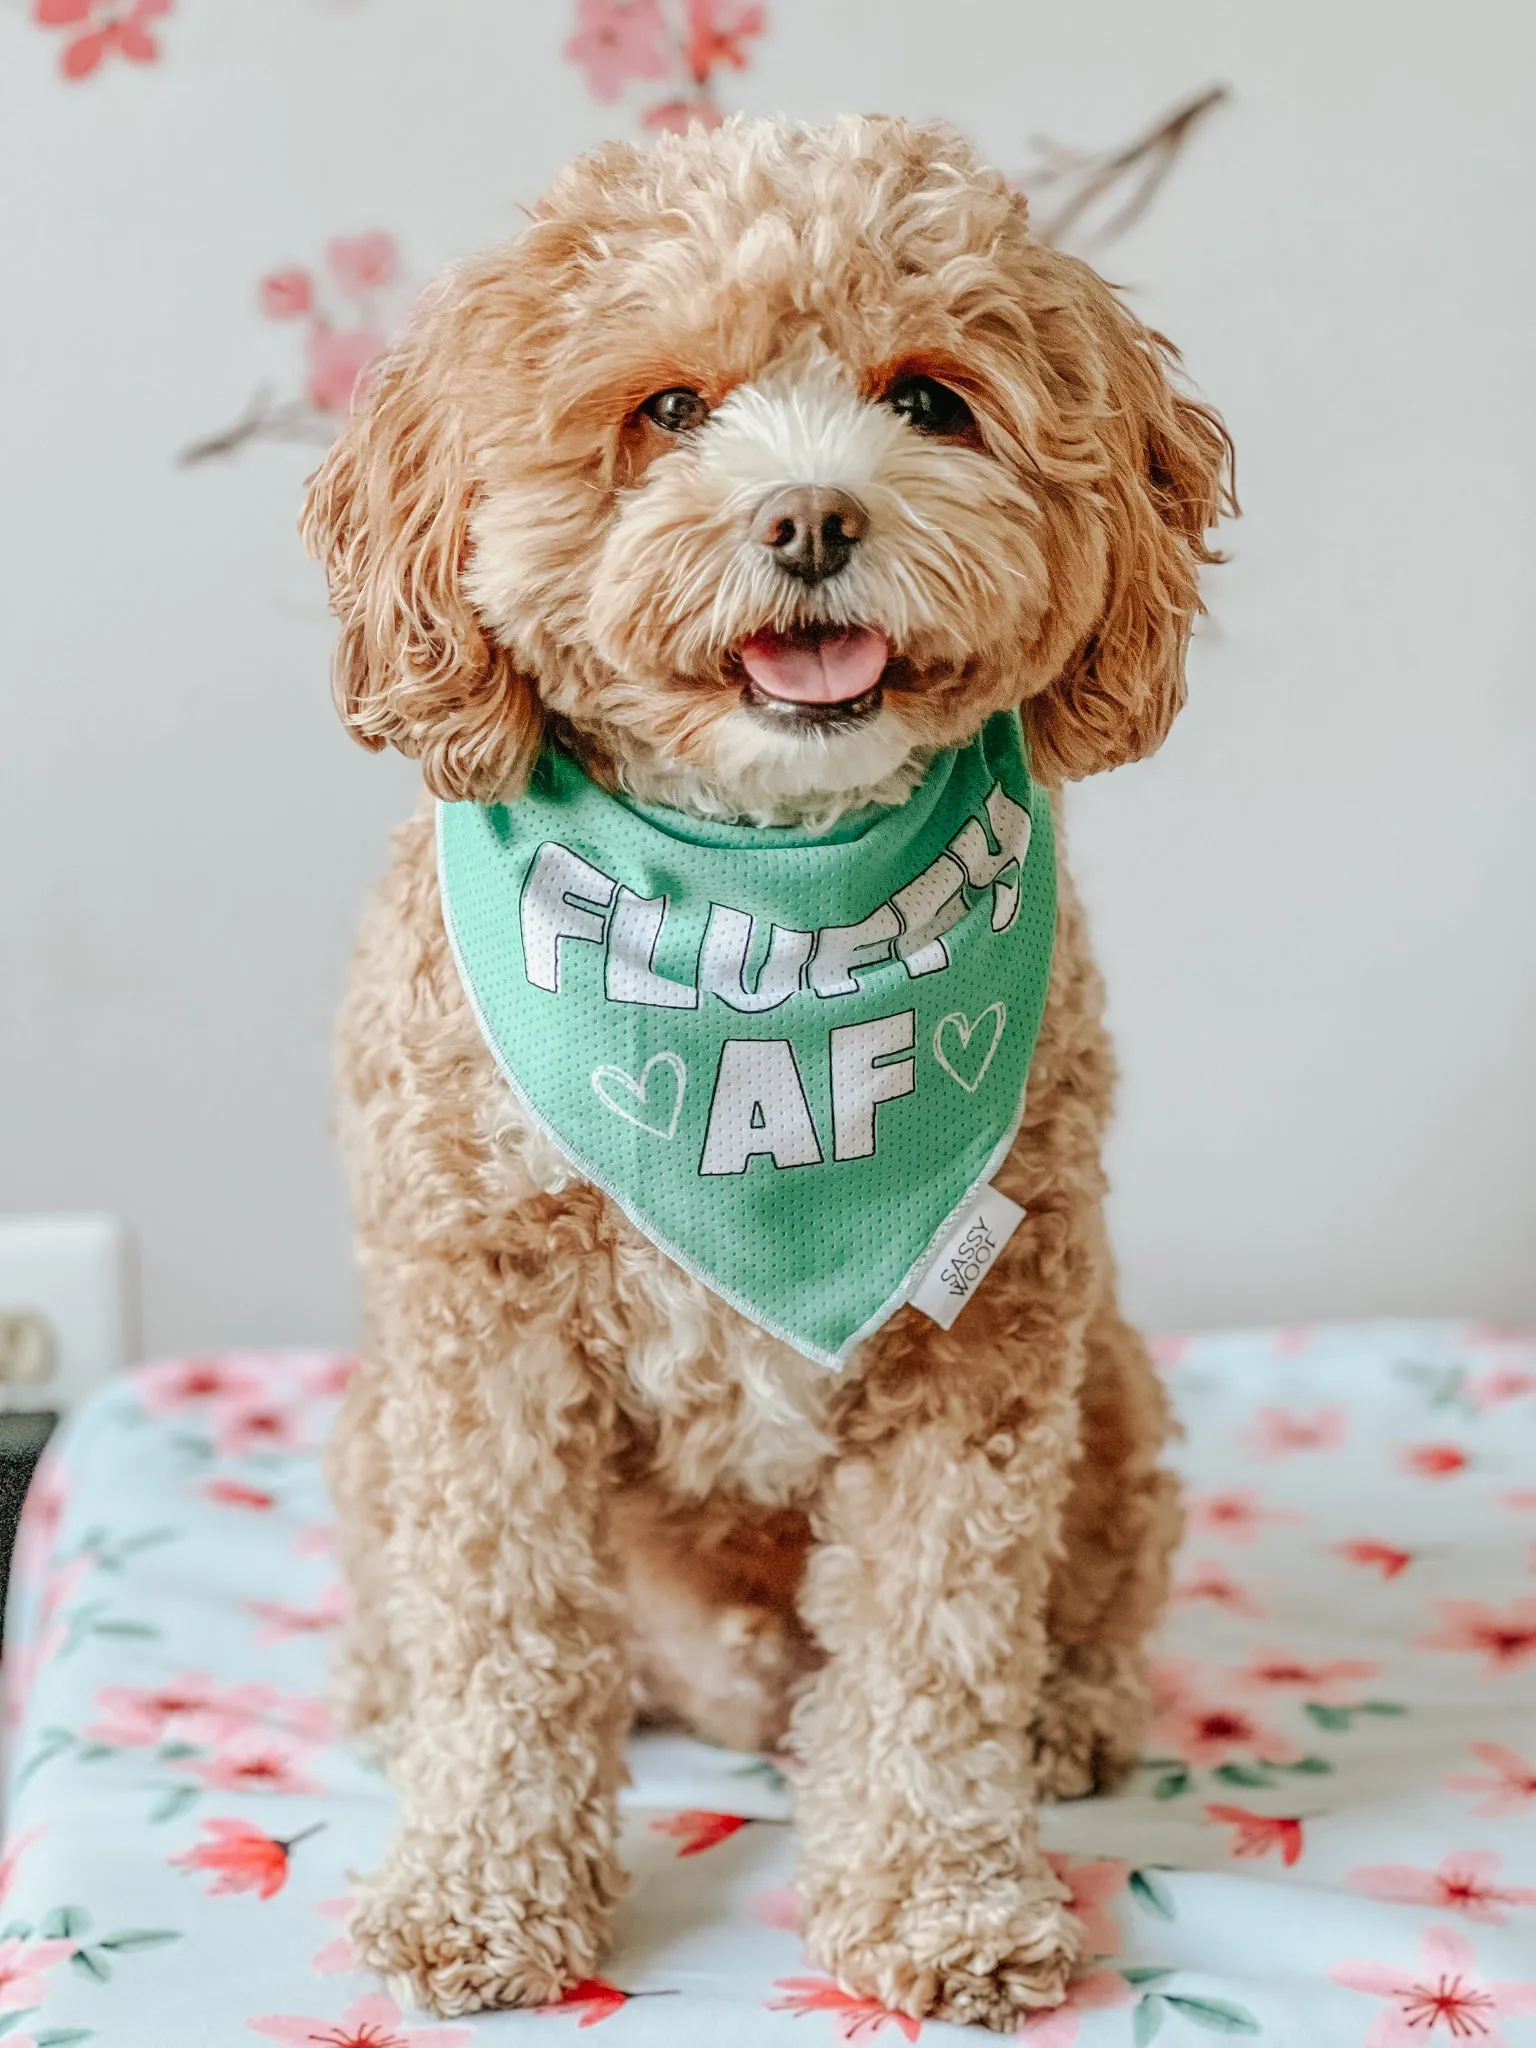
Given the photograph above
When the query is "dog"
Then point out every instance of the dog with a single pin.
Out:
(766, 469)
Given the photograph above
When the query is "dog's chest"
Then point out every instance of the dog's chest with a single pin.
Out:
(727, 1405)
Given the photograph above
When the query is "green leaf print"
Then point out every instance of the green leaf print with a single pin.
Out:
(173, 1803)
(1148, 2019)
(1215, 2014)
(139, 1937)
(62, 2037)
(65, 1923)
(90, 1964)
(1340, 1720)
(10, 2020)
(1143, 1974)
(1149, 1889)
(1249, 1775)
(1171, 1784)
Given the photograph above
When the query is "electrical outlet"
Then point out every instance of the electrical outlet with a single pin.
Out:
(65, 1308)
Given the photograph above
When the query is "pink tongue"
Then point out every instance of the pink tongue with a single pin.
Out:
(829, 671)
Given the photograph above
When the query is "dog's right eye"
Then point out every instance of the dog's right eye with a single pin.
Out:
(676, 410)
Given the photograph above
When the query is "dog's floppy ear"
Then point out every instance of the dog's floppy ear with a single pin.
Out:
(388, 515)
(1165, 479)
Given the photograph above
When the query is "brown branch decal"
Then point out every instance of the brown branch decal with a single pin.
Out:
(1131, 176)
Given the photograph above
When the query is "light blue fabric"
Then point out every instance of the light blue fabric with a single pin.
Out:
(1335, 1830)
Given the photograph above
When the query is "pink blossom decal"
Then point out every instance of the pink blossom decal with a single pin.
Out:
(1257, 1834)
(347, 307)
(1504, 1637)
(94, 30)
(1237, 1514)
(1509, 1787)
(855, 2018)
(1093, 1991)
(1278, 1431)
(373, 2022)
(687, 42)
(1208, 1581)
(1092, 1883)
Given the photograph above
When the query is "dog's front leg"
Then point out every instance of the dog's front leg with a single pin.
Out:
(921, 1881)
(499, 1884)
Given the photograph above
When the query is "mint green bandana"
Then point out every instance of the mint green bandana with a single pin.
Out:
(791, 1060)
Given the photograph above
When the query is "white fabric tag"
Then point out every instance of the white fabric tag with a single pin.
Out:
(969, 1254)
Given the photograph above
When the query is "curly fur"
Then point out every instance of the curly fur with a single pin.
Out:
(574, 1485)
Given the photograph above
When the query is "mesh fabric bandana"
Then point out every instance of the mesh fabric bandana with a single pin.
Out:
(791, 1060)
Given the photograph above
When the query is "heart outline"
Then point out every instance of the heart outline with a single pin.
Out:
(967, 1028)
(637, 1090)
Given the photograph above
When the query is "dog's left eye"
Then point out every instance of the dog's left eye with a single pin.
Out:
(930, 406)
(676, 410)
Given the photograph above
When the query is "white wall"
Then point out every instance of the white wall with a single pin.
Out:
(1315, 908)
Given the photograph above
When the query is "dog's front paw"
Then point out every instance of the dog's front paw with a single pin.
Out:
(985, 1951)
(454, 1935)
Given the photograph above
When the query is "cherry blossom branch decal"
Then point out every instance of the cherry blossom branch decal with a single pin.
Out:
(687, 45)
(1096, 196)
(346, 313)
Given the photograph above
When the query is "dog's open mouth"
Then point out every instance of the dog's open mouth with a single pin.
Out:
(815, 675)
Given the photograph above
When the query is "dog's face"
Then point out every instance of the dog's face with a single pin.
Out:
(768, 462)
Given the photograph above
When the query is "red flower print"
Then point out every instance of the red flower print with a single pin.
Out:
(1092, 1882)
(337, 358)
(1094, 1991)
(181, 1381)
(1510, 1786)
(243, 1426)
(360, 264)
(1237, 1514)
(594, 1999)
(1277, 1431)
(856, 2019)
(373, 2022)
(280, 1622)
(1463, 1882)
(286, 294)
(234, 1493)
(102, 29)
(242, 1857)
(1335, 1682)
(1505, 1637)
(1385, 1558)
(1443, 1999)
(717, 32)
(697, 1830)
(23, 1964)
(1258, 1833)
(1210, 1581)
(253, 1762)
(1435, 1461)
(1503, 1383)
(615, 41)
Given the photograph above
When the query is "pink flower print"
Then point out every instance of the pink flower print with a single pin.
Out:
(262, 1424)
(101, 31)
(1510, 1787)
(338, 1957)
(181, 1381)
(1444, 1999)
(1520, 1500)
(373, 2022)
(1463, 1882)
(1169, 1352)
(1503, 1383)
(336, 359)
(717, 34)
(1277, 1431)
(615, 41)
(1094, 1991)
(286, 294)
(778, 1908)
(1206, 1733)
(11, 1860)
(23, 1964)
(254, 1761)
(1210, 1581)
(1236, 1514)
(676, 117)
(1375, 1556)
(191, 1709)
(327, 1378)
(855, 2018)
(1334, 1682)
(1092, 1882)
(318, 1539)
(360, 264)
(1504, 1637)
(278, 1622)
(306, 1715)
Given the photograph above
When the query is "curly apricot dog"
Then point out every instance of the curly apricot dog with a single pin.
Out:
(763, 469)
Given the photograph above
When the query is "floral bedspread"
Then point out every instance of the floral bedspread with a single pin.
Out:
(1332, 1839)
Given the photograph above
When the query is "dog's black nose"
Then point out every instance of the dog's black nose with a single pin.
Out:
(811, 530)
